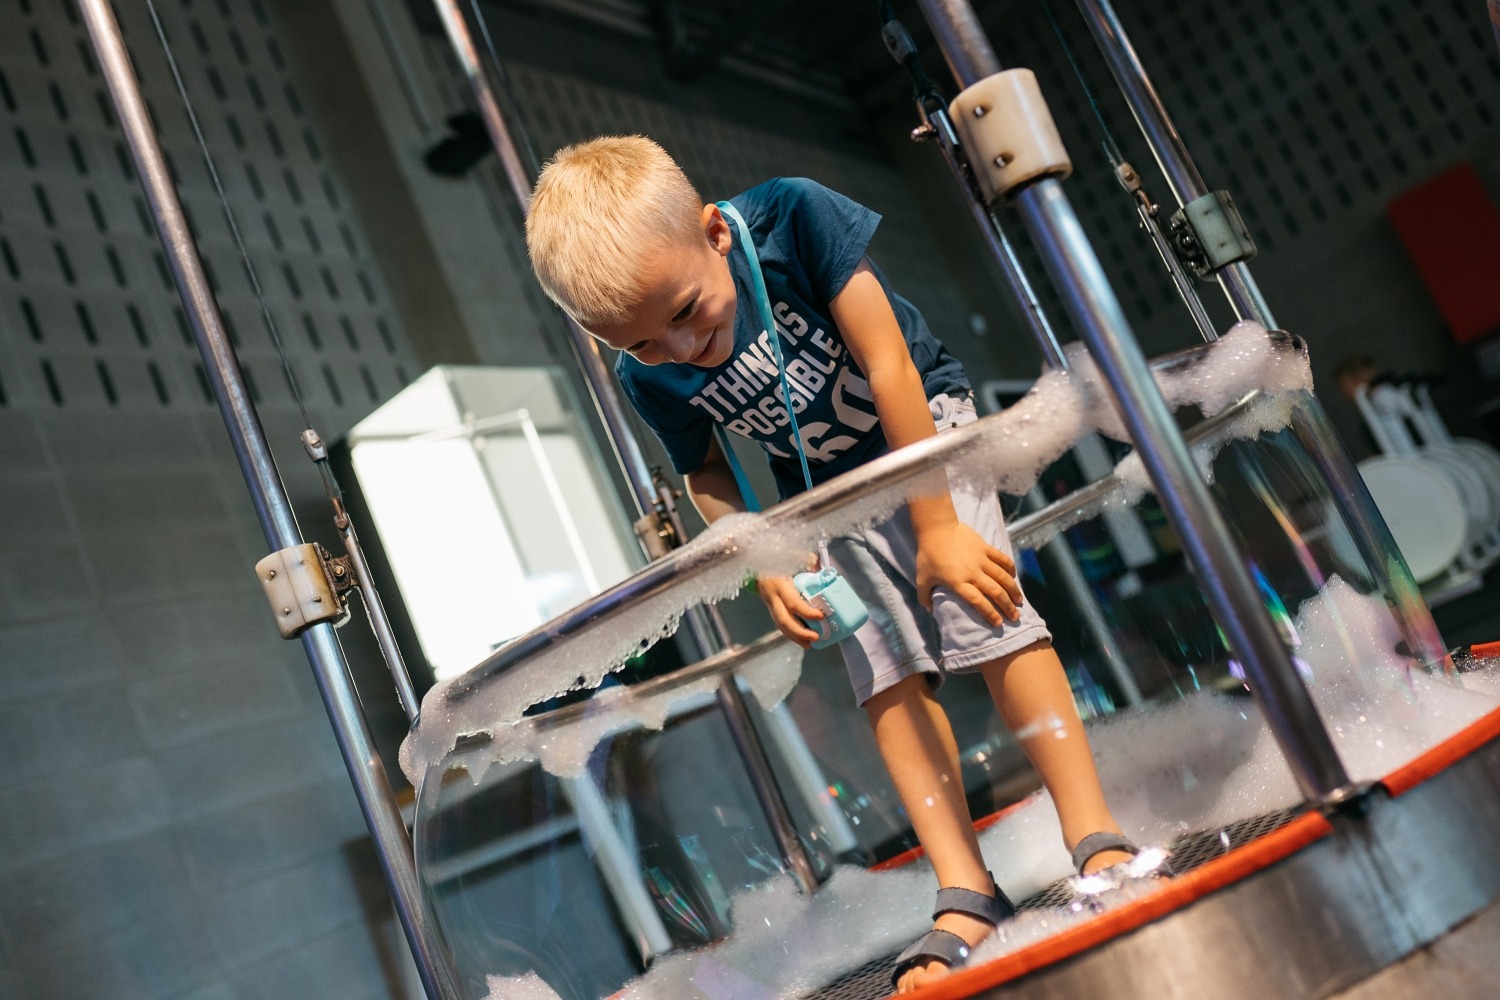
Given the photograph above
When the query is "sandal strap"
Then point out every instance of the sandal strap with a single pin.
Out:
(945, 946)
(990, 909)
(1098, 843)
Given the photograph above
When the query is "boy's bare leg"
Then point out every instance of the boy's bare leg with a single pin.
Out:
(917, 744)
(1031, 691)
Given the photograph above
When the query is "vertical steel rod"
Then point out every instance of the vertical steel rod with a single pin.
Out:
(1057, 552)
(380, 624)
(273, 509)
(1096, 313)
(1181, 280)
(1061, 563)
(1167, 146)
(596, 374)
(1000, 246)
(706, 631)
(1371, 535)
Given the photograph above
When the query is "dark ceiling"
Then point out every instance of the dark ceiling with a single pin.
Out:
(828, 50)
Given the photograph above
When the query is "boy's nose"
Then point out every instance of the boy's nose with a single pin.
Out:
(680, 343)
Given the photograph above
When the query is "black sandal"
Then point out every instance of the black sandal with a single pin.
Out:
(1098, 843)
(945, 946)
(1149, 863)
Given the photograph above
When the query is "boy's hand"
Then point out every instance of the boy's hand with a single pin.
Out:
(788, 608)
(954, 556)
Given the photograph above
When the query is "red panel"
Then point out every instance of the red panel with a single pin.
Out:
(1452, 231)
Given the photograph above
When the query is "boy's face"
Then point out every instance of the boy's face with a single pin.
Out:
(686, 311)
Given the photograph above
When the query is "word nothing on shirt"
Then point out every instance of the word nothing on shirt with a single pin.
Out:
(736, 398)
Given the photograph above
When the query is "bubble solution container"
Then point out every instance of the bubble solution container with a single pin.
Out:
(615, 844)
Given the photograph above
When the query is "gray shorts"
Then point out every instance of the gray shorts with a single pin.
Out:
(902, 638)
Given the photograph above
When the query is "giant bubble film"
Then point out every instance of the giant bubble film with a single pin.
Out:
(582, 839)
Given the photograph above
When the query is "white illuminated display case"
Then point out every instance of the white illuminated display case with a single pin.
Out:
(491, 505)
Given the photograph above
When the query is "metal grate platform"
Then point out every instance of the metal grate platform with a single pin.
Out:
(872, 981)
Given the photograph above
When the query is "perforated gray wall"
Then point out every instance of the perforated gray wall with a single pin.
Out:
(1314, 115)
(88, 310)
(182, 825)
(723, 157)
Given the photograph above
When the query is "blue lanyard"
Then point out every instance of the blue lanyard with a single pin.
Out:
(763, 302)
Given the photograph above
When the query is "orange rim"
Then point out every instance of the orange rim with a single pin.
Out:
(1186, 889)
(1444, 755)
(1173, 895)
(1485, 649)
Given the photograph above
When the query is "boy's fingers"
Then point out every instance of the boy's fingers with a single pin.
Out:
(797, 605)
(994, 598)
(781, 591)
(1011, 585)
(981, 603)
(795, 629)
(790, 611)
(998, 556)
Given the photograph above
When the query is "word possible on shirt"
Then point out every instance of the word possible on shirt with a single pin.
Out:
(737, 397)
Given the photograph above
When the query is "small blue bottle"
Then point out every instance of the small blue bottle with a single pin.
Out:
(830, 593)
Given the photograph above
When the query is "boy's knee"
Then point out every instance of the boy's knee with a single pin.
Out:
(914, 687)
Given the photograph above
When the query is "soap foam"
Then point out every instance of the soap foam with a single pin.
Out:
(1060, 408)
(1197, 764)
(563, 748)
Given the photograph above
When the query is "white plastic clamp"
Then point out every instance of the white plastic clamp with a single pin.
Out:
(1210, 234)
(299, 584)
(1009, 133)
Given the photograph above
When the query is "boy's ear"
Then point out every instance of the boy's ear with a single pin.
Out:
(716, 228)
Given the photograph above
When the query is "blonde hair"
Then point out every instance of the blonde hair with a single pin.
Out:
(600, 208)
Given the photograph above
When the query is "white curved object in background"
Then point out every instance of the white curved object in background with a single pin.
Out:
(1423, 508)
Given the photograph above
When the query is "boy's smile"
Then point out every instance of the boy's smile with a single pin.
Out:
(687, 302)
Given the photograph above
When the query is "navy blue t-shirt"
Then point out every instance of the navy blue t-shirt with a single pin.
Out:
(810, 240)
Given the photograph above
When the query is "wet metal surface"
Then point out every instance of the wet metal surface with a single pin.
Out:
(872, 981)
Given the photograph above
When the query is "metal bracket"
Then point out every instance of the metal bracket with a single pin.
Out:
(657, 530)
(1009, 133)
(1209, 234)
(305, 586)
(656, 535)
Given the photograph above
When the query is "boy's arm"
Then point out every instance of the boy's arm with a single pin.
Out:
(714, 491)
(712, 486)
(949, 553)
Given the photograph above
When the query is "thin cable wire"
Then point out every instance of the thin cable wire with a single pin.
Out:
(234, 229)
(1111, 147)
(518, 127)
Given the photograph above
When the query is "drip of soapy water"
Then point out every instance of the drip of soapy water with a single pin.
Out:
(563, 748)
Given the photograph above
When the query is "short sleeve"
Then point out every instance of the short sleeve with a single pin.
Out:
(826, 233)
(683, 431)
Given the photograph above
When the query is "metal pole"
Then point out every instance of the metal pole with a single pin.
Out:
(1167, 146)
(1062, 559)
(619, 867)
(380, 624)
(1096, 313)
(1371, 535)
(1146, 210)
(1205, 537)
(1000, 246)
(596, 374)
(707, 632)
(1062, 563)
(376, 800)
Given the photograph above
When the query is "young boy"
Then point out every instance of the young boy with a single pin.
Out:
(621, 240)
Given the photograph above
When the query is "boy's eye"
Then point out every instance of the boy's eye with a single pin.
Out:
(685, 311)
